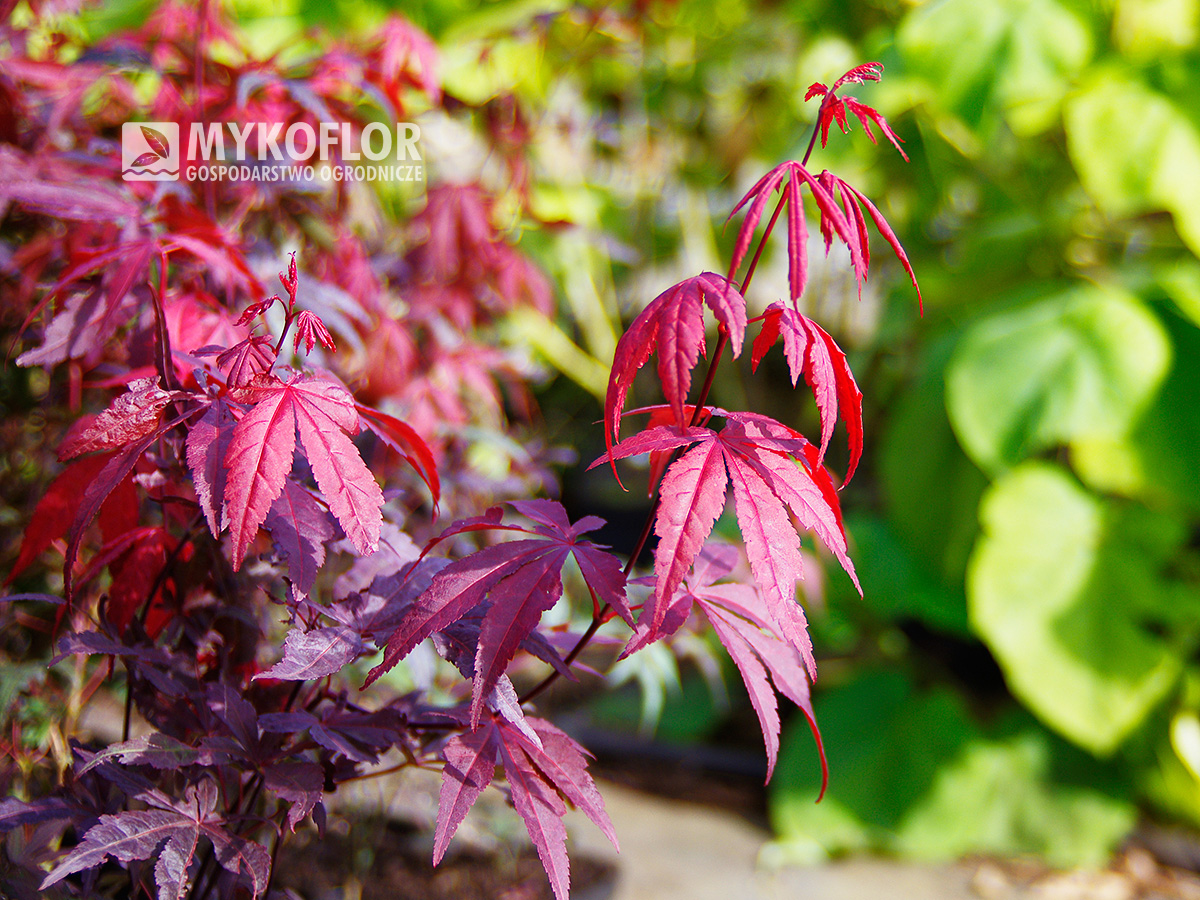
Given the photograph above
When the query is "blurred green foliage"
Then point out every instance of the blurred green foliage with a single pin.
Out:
(1022, 674)
(1016, 678)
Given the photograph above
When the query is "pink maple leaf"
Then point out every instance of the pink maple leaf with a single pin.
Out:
(311, 330)
(811, 352)
(260, 453)
(853, 201)
(545, 770)
(672, 325)
(129, 417)
(774, 471)
(757, 197)
(207, 443)
(833, 107)
(744, 625)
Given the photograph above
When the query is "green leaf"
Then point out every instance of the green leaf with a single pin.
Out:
(885, 745)
(1155, 163)
(999, 797)
(1159, 460)
(1080, 365)
(1062, 590)
(1015, 57)
(911, 773)
(896, 586)
(1144, 29)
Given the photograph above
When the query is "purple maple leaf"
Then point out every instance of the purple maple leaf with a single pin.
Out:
(519, 579)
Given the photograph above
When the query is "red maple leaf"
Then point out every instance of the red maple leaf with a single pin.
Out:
(246, 360)
(672, 325)
(519, 579)
(137, 575)
(745, 627)
(773, 471)
(853, 201)
(130, 416)
(207, 443)
(812, 353)
(311, 330)
(545, 771)
(832, 218)
(403, 439)
(171, 831)
(55, 511)
(834, 107)
(260, 453)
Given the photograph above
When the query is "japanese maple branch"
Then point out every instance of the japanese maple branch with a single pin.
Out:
(602, 614)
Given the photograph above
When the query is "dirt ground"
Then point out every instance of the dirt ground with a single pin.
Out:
(684, 836)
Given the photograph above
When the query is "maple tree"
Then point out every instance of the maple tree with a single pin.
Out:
(233, 480)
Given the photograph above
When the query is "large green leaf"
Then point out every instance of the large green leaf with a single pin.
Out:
(1081, 364)
(885, 745)
(1145, 29)
(896, 584)
(910, 772)
(999, 797)
(1159, 460)
(1066, 591)
(1013, 56)
(1135, 151)
(931, 489)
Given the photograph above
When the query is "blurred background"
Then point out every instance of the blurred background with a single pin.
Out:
(1021, 676)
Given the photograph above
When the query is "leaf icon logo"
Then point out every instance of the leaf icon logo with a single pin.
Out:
(150, 151)
(158, 143)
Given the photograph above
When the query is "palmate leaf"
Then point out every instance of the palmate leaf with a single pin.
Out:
(260, 453)
(811, 352)
(325, 414)
(404, 440)
(835, 107)
(541, 775)
(207, 443)
(519, 580)
(257, 463)
(139, 834)
(117, 466)
(846, 222)
(309, 655)
(56, 510)
(832, 218)
(300, 527)
(672, 325)
(691, 498)
(297, 782)
(774, 471)
(765, 660)
(156, 749)
(137, 576)
(853, 201)
(356, 734)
